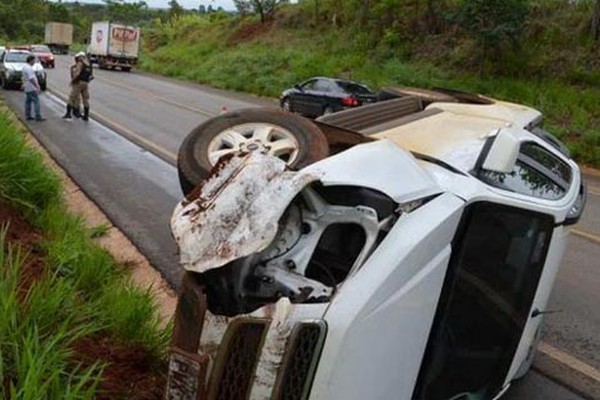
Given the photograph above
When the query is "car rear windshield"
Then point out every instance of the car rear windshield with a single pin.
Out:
(354, 88)
(17, 57)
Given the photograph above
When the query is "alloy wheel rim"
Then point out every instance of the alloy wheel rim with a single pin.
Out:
(262, 137)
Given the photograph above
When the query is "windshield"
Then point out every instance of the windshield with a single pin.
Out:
(40, 49)
(17, 57)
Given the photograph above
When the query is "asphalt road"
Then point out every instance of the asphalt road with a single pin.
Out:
(137, 187)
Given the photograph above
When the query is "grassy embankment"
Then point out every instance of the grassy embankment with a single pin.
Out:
(555, 70)
(72, 325)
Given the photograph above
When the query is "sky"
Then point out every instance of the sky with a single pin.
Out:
(226, 4)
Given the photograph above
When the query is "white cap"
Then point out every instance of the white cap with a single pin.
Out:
(80, 54)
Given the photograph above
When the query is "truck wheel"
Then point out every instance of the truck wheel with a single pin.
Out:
(290, 137)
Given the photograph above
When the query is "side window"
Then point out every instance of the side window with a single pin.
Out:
(537, 173)
(323, 85)
(310, 85)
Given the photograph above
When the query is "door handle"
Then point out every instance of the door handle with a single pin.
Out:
(538, 312)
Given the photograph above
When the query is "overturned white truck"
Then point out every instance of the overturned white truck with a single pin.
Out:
(402, 250)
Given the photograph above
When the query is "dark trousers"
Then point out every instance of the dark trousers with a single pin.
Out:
(32, 98)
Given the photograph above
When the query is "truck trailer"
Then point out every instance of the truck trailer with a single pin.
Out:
(114, 45)
(58, 37)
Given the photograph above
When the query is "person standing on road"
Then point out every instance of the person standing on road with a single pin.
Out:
(81, 75)
(31, 86)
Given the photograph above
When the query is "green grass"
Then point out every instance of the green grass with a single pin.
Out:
(84, 292)
(199, 50)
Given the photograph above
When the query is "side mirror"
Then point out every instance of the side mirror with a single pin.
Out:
(503, 153)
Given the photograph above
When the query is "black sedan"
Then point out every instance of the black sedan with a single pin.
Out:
(319, 96)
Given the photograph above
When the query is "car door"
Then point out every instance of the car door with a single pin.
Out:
(300, 100)
(2, 67)
(322, 97)
(497, 262)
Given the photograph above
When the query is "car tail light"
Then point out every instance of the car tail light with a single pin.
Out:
(349, 102)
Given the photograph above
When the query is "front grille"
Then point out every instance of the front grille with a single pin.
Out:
(300, 362)
(236, 361)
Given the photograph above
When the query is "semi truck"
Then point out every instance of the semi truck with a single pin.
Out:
(58, 37)
(114, 45)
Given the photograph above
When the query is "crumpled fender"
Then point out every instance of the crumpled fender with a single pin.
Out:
(253, 192)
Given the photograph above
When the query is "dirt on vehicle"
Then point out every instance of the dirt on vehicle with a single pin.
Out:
(130, 372)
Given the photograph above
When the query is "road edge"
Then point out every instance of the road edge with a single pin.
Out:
(142, 273)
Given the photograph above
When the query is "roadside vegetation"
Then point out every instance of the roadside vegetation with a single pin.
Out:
(543, 53)
(72, 324)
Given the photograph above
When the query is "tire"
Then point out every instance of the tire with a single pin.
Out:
(199, 151)
(126, 69)
(285, 105)
(5, 85)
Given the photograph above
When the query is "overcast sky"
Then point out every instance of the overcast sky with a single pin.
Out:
(226, 4)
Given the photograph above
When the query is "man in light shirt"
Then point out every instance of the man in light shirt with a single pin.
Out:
(32, 88)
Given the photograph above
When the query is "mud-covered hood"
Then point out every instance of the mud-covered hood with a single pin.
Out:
(236, 211)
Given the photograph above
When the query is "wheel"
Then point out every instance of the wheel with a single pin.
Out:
(290, 137)
(4, 83)
(126, 69)
(285, 105)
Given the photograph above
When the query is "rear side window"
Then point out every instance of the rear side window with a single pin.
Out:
(353, 88)
(537, 173)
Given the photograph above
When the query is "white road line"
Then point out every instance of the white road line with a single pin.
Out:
(160, 98)
(58, 96)
(569, 361)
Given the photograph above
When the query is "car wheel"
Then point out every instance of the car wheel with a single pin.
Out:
(327, 110)
(290, 137)
(5, 83)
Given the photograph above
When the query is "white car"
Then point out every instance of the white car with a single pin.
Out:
(11, 69)
(409, 255)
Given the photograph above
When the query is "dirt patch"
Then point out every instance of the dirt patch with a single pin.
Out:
(22, 236)
(130, 372)
(249, 32)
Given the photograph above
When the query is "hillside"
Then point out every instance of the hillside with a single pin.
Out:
(550, 59)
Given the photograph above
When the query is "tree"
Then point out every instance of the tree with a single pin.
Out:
(596, 21)
(129, 13)
(492, 23)
(175, 8)
(202, 9)
(264, 8)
